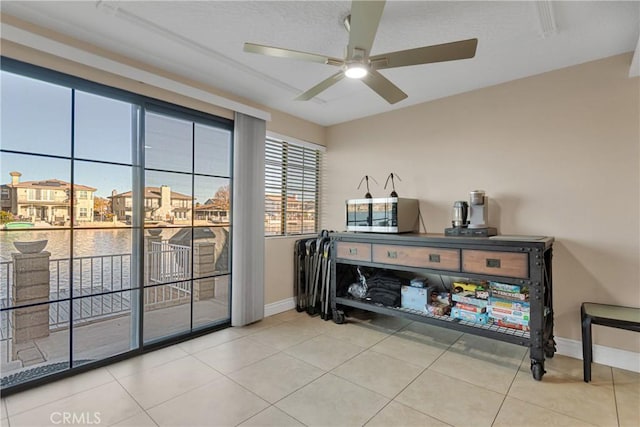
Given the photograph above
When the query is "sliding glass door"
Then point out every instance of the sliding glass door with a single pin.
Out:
(187, 179)
(114, 223)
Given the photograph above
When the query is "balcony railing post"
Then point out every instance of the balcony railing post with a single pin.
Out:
(152, 259)
(203, 265)
(30, 286)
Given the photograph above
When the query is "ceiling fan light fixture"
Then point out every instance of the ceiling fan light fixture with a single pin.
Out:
(356, 71)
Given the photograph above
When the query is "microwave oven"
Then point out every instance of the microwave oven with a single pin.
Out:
(383, 215)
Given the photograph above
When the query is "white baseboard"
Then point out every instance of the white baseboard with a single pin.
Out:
(609, 356)
(279, 306)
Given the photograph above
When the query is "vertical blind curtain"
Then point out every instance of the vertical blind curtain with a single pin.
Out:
(247, 283)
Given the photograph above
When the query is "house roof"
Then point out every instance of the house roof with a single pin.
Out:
(155, 193)
(51, 184)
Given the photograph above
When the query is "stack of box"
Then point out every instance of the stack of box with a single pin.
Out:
(440, 303)
(509, 306)
(468, 306)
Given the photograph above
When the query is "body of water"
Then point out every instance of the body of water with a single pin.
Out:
(86, 242)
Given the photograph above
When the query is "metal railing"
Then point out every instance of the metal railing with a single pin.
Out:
(95, 278)
(168, 262)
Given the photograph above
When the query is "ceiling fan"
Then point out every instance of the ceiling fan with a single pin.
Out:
(358, 63)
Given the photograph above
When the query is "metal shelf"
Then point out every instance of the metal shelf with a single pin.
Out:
(500, 333)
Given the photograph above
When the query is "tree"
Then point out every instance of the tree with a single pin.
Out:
(222, 198)
(101, 206)
(5, 217)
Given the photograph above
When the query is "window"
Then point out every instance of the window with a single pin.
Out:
(80, 147)
(39, 195)
(292, 187)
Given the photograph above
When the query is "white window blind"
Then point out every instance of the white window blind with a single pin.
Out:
(292, 187)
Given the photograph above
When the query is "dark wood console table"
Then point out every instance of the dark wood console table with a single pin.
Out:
(518, 260)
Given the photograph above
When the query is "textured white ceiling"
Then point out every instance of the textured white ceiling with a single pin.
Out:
(203, 41)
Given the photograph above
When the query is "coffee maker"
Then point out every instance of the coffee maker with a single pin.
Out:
(478, 211)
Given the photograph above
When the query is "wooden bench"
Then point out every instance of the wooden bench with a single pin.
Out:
(614, 316)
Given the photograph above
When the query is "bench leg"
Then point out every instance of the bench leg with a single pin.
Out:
(587, 352)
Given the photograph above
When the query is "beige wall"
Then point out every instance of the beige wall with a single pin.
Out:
(558, 155)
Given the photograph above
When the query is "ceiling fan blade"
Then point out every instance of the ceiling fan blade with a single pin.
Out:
(365, 17)
(291, 54)
(462, 49)
(383, 87)
(325, 84)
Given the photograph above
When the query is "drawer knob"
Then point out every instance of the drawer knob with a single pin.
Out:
(434, 257)
(392, 254)
(353, 251)
(493, 263)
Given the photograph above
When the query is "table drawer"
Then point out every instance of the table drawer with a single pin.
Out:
(353, 251)
(420, 257)
(506, 264)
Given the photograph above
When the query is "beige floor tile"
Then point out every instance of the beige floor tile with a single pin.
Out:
(104, 405)
(489, 349)
(284, 336)
(271, 417)
(627, 388)
(210, 340)
(289, 315)
(276, 376)
(571, 367)
(42, 395)
(591, 403)
(358, 334)
(265, 323)
(235, 355)
(515, 412)
(324, 352)
(316, 324)
(139, 420)
(381, 322)
(146, 361)
(378, 372)
(430, 333)
(219, 403)
(496, 375)
(332, 401)
(415, 350)
(397, 414)
(167, 381)
(3, 409)
(451, 400)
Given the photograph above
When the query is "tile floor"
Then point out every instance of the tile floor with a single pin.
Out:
(294, 370)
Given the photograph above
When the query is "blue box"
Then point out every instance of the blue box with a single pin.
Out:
(469, 316)
(415, 298)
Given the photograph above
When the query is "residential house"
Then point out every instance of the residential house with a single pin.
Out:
(160, 204)
(213, 211)
(47, 200)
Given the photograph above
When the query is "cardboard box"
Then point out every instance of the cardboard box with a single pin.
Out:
(509, 295)
(438, 309)
(469, 298)
(500, 312)
(469, 307)
(509, 304)
(505, 287)
(415, 298)
(469, 316)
